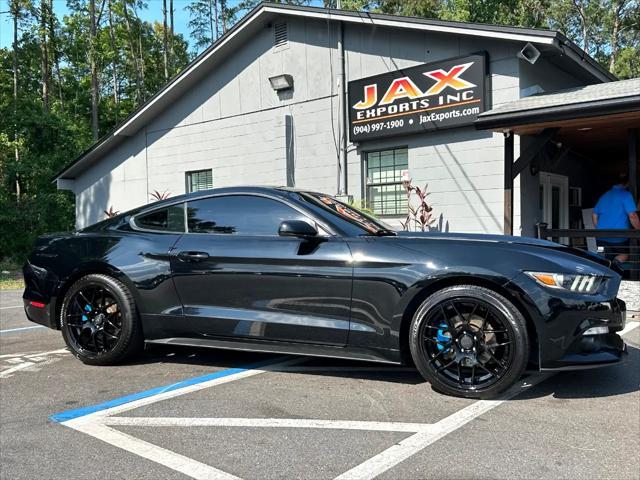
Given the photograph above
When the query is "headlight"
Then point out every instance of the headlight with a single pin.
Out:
(572, 282)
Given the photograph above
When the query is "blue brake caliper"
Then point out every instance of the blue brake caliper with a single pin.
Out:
(443, 337)
(87, 309)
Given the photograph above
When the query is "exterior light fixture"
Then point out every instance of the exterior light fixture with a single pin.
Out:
(281, 82)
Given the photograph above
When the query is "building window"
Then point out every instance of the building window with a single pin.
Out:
(199, 180)
(384, 191)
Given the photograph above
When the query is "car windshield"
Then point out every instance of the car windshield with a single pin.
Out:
(370, 224)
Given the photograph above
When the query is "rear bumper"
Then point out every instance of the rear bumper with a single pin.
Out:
(39, 295)
(41, 315)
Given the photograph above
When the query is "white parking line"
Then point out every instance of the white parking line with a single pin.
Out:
(94, 424)
(22, 361)
(98, 423)
(265, 423)
(12, 370)
(21, 329)
(12, 306)
(173, 460)
(181, 391)
(630, 326)
(408, 447)
(411, 445)
(34, 354)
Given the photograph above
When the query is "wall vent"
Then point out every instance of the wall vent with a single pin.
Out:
(280, 35)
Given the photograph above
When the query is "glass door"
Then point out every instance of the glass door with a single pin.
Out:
(554, 202)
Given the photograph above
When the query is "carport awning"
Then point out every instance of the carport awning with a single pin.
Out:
(593, 107)
(597, 120)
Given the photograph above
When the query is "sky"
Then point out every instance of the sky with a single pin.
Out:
(152, 12)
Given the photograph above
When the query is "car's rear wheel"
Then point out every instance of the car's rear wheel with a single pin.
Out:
(99, 321)
(469, 341)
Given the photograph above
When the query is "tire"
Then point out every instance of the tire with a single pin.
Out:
(103, 330)
(469, 341)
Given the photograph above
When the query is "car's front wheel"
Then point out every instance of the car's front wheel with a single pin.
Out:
(469, 341)
(99, 321)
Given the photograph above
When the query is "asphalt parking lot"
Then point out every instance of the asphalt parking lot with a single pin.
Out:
(188, 413)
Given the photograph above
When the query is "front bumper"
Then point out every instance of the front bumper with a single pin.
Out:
(592, 351)
(561, 320)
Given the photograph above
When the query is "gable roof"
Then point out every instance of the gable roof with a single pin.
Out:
(265, 12)
(591, 100)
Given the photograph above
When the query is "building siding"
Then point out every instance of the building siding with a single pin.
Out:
(462, 167)
(120, 175)
(233, 122)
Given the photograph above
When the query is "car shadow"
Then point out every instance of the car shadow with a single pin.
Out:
(219, 358)
(198, 356)
(594, 383)
(600, 382)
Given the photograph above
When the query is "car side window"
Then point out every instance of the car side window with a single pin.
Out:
(169, 219)
(239, 215)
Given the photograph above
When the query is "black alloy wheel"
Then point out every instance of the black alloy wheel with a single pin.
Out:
(99, 322)
(469, 341)
(94, 319)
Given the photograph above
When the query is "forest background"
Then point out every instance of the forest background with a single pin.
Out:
(72, 70)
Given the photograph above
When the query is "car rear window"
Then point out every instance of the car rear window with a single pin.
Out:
(169, 219)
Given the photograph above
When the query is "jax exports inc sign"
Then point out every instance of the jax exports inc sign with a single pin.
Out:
(444, 94)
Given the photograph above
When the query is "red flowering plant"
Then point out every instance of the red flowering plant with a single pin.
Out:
(160, 196)
(111, 212)
(419, 212)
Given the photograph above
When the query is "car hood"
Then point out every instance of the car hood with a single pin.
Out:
(479, 237)
(513, 240)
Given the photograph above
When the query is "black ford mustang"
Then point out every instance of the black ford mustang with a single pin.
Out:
(279, 270)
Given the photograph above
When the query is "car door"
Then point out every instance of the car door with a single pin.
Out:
(236, 277)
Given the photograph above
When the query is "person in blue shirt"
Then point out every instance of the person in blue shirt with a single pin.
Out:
(616, 209)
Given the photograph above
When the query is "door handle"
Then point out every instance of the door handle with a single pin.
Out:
(193, 256)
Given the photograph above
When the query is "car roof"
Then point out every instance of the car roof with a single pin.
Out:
(282, 192)
(248, 189)
(264, 190)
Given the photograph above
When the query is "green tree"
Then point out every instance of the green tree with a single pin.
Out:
(47, 100)
(204, 22)
(65, 81)
(608, 30)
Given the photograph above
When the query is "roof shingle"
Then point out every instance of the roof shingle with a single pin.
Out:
(572, 96)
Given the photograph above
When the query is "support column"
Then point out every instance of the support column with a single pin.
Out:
(290, 151)
(508, 183)
(343, 124)
(633, 161)
(633, 188)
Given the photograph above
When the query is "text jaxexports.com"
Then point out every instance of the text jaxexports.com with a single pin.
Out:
(440, 116)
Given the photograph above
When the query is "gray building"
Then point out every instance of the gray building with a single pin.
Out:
(267, 104)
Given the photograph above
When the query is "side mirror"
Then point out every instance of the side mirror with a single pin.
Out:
(297, 228)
